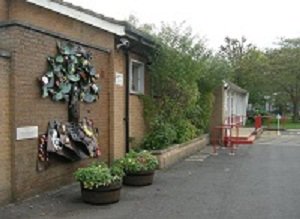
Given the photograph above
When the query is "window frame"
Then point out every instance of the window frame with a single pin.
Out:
(141, 80)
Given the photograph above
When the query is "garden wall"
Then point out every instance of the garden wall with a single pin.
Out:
(175, 153)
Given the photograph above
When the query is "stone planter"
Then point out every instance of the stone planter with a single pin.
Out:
(101, 195)
(139, 179)
(171, 155)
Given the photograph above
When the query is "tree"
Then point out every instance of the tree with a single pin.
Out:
(253, 68)
(285, 71)
(234, 51)
(177, 67)
(145, 27)
(248, 66)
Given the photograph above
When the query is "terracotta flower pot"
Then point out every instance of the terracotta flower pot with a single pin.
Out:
(101, 195)
(139, 179)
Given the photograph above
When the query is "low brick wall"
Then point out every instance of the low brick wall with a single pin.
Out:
(175, 153)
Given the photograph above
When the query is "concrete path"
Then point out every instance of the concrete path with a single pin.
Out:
(260, 181)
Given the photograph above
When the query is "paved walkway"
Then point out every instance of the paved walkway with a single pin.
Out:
(260, 181)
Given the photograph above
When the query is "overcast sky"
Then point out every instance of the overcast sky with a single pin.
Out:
(262, 22)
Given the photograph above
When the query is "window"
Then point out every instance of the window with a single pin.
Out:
(136, 77)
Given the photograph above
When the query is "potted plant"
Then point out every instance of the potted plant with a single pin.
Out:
(99, 183)
(139, 168)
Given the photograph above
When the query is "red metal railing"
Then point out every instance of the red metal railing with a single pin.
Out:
(223, 134)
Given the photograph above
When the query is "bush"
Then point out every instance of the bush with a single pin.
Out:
(162, 135)
(185, 131)
(135, 162)
(185, 75)
(165, 134)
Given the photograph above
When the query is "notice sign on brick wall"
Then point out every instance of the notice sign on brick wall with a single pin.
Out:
(28, 132)
(119, 79)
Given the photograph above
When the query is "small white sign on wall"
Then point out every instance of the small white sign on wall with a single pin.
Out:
(28, 132)
(119, 79)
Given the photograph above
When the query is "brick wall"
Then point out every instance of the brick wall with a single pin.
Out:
(38, 16)
(3, 10)
(5, 146)
(137, 122)
(25, 12)
(136, 109)
(137, 127)
(119, 106)
(29, 52)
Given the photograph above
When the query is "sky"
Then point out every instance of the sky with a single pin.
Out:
(262, 22)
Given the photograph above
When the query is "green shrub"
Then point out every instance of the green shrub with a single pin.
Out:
(185, 74)
(99, 174)
(135, 162)
(185, 131)
(161, 136)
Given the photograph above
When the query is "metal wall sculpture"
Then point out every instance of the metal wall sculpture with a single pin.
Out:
(68, 141)
(71, 78)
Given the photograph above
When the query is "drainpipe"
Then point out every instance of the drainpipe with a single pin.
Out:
(124, 45)
(127, 101)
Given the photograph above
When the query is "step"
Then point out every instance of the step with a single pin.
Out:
(242, 140)
(238, 138)
(249, 140)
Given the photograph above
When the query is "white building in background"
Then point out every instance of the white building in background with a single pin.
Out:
(235, 103)
(230, 107)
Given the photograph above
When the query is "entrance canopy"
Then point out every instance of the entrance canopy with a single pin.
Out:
(235, 103)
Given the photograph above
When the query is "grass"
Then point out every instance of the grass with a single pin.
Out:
(289, 124)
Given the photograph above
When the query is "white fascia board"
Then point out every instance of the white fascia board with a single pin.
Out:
(81, 16)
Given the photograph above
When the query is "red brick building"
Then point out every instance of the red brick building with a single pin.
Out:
(29, 31)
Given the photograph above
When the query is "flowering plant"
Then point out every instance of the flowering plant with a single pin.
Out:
(135, 162)
(99, 174)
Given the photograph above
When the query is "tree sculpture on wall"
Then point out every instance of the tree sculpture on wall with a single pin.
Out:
(71, 77)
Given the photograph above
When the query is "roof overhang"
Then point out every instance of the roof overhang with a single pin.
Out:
(114, 28)
(233, 87)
